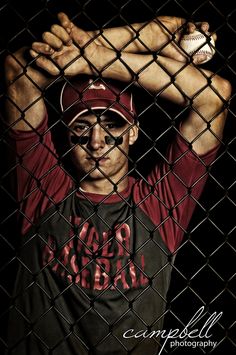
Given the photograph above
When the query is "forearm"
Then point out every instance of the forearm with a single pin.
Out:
(183, 84)
(141, 37)
(25, 106)
(157, 74)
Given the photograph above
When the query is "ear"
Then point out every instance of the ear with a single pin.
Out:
(133, 134)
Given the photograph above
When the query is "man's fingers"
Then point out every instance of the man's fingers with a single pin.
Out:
(205, 27)
(42, 48)
(52, 40)
(61, 33)
(55, 39)
(79, 36)
(200, 58)
(65, 21)
(214, 36)
(202, 26)
(191, 27)
(44, 63)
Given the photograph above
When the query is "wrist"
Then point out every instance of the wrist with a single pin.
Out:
(101, 59)
(20, 66)
(96, 36)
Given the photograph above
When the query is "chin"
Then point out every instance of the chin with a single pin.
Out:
(92, 175)
(96, 175)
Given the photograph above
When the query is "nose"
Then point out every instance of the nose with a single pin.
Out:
(96, 138)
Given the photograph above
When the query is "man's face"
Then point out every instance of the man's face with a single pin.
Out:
(95, 156)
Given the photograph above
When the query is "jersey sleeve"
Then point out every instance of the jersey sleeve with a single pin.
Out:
(39, 181)
(170, 193)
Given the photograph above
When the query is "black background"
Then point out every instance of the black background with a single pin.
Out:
(204, 272)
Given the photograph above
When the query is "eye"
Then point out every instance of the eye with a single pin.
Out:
(110, 125)
(80, 127)
(113, 125)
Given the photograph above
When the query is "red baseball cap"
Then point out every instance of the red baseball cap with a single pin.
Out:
(82, 95)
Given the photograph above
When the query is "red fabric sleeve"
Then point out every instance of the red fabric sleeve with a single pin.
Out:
(169, 196)
(40, 180)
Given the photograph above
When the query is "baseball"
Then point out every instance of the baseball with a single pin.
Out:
(197, 44)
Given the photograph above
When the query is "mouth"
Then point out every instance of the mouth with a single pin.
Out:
(100, 160)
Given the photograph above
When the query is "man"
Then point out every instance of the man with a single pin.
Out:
(96, 252)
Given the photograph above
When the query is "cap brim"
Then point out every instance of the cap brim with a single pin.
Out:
(78, 110)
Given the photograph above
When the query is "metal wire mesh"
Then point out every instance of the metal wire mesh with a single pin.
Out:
(91, 307)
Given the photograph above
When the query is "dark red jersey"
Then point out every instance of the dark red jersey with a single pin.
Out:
(93, 266)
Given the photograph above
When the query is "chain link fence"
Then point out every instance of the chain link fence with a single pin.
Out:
(74, 317)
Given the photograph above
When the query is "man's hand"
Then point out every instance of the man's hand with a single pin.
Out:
(174, 28)
(161, 35)
(66, 50)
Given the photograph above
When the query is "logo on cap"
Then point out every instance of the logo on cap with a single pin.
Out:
(96, 86)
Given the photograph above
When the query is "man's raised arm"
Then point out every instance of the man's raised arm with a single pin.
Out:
(25, 106)
(160, 35)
